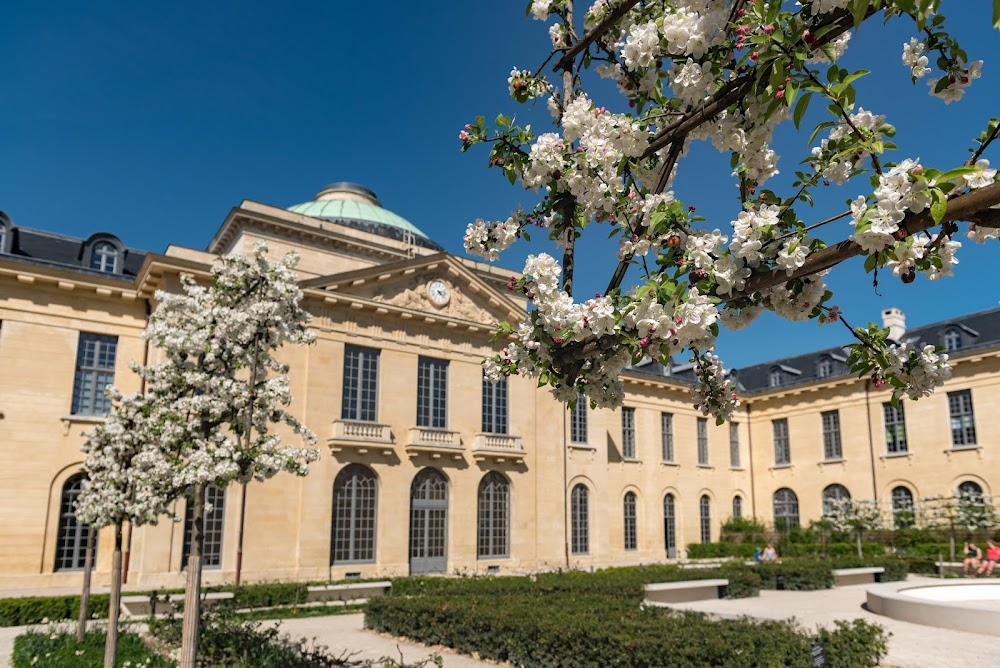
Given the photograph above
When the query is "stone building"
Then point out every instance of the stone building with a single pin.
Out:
(425, 468)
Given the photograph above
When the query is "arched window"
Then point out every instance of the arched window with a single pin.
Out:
(786, 509)
(775, 377)
(952, 339)
(494, 516)
(669, 526)
(355, 496)
(705, 512)
(214, 521)
(737, 506)
(834, 496)
(902, 507)
(579, 520)
(104, 257)
(71, 537)
(824, 367)
(631, 541)
(970, 490)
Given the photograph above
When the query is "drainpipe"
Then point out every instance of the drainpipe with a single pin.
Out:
(753, 492)
(871, 441)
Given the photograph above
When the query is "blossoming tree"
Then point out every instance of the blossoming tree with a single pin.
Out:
(209, 407)
(729, 72)
(857, 517)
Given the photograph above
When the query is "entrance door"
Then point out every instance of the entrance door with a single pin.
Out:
(428, 523)
(669, 526)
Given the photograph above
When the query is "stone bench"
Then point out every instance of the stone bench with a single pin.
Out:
(853, 576)
(665, 593)
(355, 592)
(141, 606)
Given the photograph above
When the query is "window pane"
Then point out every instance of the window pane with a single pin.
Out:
(71, 537)
(95, 370)
(494, 516)
(213, 522)
(734, 445)
(432, 393)
(355, 496)
(831, 435)
(628, 433)
(703, 441)
(578, 421)
(630, 521)
(782, 451)
(579, 515)
(667, 436)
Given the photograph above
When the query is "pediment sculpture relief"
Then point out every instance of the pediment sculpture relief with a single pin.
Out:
(433, 295)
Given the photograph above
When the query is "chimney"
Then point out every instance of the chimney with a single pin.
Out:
(895, 320)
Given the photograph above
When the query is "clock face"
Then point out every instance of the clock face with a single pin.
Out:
(438, 292)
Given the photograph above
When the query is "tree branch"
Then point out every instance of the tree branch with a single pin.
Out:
(974, 205)
(566, 62)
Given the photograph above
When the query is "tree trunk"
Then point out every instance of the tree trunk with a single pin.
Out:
(88, 566)
(951, 545)
(192, 593)
(114, 605)
(860, 552)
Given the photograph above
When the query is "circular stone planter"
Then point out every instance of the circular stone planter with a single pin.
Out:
(962, 605)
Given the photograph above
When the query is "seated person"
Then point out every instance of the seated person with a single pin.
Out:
(972, 556)
(990, 562)
(770, 554)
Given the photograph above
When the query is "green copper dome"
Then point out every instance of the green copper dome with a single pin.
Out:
(355, 206)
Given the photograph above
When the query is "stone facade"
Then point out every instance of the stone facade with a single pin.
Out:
(505, 502)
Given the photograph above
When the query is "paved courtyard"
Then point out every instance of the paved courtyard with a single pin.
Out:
(910, 646)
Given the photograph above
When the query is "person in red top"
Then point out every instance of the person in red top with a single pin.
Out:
(992, 557)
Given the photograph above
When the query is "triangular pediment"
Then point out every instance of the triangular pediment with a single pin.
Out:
(438, 285)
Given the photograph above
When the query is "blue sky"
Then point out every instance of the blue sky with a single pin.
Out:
(152, 121)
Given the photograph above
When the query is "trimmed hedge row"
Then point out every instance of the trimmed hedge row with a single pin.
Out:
(36, 609)
(616, 583)
(564, 628)
(785, 549)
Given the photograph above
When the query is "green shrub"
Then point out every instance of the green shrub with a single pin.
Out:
(36, 609)
(720, 550)
(45, 647)
(831, 550)
(266, 594)
(566, 628)
(795, 574)
(927, 550)
(895, 569)
(854, 643)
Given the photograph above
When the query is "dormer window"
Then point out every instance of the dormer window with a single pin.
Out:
(824, 367)
(776, 377)
(952, 339)
(104, 258)
(103, 252)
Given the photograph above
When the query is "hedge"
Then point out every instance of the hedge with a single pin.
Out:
(785, 549)
(566, 628)
(625, 583)
(795, 574)
(38, 609)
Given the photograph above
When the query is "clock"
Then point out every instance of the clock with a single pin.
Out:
(438, 292)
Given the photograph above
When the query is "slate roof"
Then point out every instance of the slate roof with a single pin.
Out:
(975, 330)
(56, 250)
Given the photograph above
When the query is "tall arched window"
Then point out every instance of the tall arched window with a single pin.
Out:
(214, 521)
(737, 506)
(952, 339)
(833, 497)
(104, 257)
(786, 509)
(71, 537)
(494, 516)
(631, 541)
(902, 507)
(705, 511)
(670, 526)
(355, 497)
(579, 520)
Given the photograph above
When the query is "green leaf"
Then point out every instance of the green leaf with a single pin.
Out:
(939, 205)
(857, 75)
(858, 10)
(870, 263)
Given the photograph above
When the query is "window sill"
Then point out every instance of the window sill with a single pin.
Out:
(895, 455)
(631, 460)
(781, 466)
(838, 460)
(962, 448)
(705, 466)
(69, 420)
(669, 463)
(737, 468)
(583, 446)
